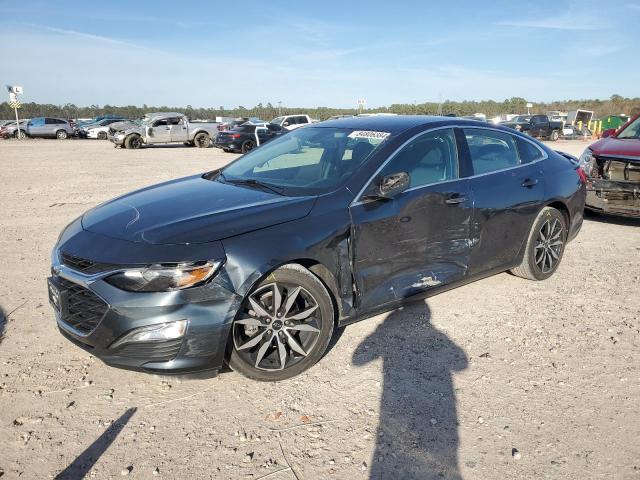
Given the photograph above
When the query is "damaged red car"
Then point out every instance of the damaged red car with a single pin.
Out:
(612, 165)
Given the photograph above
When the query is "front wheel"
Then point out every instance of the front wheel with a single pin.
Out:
(202, 140)
(554, 135)
(283, 326)
(133, 141)
(248, 146)
(545, 246)
(62, 135)
(20, 134)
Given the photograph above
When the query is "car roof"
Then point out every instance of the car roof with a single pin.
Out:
(392, 124)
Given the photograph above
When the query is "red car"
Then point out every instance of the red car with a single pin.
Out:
(612, 165)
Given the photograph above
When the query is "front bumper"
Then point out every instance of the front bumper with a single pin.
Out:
(117, 139)
(108, 313)
(616, 198)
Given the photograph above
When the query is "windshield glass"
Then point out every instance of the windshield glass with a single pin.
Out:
(277, 120)
(632, 131)
(522, 119)
(307, 161)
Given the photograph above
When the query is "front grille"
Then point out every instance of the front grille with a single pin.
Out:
(85, 266)
(82, 309)
(157, 351)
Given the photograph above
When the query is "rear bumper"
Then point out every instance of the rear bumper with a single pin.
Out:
(227, 146)
(616, 198)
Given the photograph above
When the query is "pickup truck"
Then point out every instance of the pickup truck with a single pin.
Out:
(291, 122)
(536, 126)
(162, 127)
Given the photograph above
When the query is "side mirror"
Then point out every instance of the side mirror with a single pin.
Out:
(390, 186)
(285, 124)
(608, 132)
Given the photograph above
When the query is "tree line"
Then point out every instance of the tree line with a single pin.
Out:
(616, 104)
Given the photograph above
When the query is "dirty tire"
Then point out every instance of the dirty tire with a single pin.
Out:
(133, 141)
(202, 140)
(21, 135)
(248, 145)
(62, 135)
(542, 256)
(291, 333)
(554, 135)
(102, 135)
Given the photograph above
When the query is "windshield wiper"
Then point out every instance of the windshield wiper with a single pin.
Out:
(251, 182)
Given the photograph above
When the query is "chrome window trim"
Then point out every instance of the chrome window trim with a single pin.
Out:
(358, 201)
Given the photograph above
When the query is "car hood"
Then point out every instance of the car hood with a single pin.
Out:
(610, 146)
(192, 210)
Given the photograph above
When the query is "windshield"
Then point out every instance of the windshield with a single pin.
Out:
(307, 161)
(522, 119)
(277, 120)
(632, 130)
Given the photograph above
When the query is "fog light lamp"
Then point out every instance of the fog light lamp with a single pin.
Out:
(154, 333)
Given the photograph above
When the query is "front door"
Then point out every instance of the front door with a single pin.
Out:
(508, 190)
(159, 132)
(417, 240)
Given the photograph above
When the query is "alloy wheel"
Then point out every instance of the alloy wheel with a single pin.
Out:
(548, 247)
(279, 326)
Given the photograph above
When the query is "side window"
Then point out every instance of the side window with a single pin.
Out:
(49, 121)
(430, 158)
(36, 122)
(528, 152)
(160, 123)
(291, 120)
(301, 120)
(491, 150)
(175, 121)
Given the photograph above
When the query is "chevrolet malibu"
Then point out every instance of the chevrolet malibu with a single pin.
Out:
(256, 264)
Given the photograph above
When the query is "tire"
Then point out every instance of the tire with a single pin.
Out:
(133, 141)
(20, 134)
(554, 135)
(247, 146)
(202, 140)
(102, 135)
(545, 246)
(271, 346)
(62, 135)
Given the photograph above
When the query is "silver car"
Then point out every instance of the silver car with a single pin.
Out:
(49, 127)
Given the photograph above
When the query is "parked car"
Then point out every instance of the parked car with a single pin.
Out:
(256, 263)
(83, 123)
(536, 126)
(10, 130)
(162, 127)
(98, 130)
(49, 127)
(243, 137)
(291, 122)
(613, 167)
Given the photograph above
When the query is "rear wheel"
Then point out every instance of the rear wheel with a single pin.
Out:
(202, 140)
(248, 145)
(62, 135)
(133, 141)
(283, 327)
(102, 135)
(545, 246)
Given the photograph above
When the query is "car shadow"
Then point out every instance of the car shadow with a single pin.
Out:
(83, 464)
(614, 219)
(3, 324)
(417, 435)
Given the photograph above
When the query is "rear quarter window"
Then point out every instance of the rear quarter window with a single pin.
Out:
(528, 152)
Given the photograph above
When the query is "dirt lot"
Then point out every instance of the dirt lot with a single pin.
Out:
(503, 378)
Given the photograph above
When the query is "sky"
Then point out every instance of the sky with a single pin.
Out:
(318, 53)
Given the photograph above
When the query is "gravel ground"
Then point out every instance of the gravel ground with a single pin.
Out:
(503, 378)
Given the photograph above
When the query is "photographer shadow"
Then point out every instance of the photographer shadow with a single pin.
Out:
(417, 436)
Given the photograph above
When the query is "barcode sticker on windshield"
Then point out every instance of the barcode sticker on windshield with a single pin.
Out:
(368, 134)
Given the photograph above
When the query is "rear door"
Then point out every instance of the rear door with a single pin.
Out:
(508, 191)
(417, 240)
(179, 132)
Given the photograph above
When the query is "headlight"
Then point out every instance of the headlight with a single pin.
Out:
(164, 277)
(586, 161)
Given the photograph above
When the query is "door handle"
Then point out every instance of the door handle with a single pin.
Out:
(530, 182)
(455, 200)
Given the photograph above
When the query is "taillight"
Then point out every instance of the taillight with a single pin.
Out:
(236, 135)
(583, 176)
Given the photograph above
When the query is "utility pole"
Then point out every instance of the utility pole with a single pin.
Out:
(279, 108)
